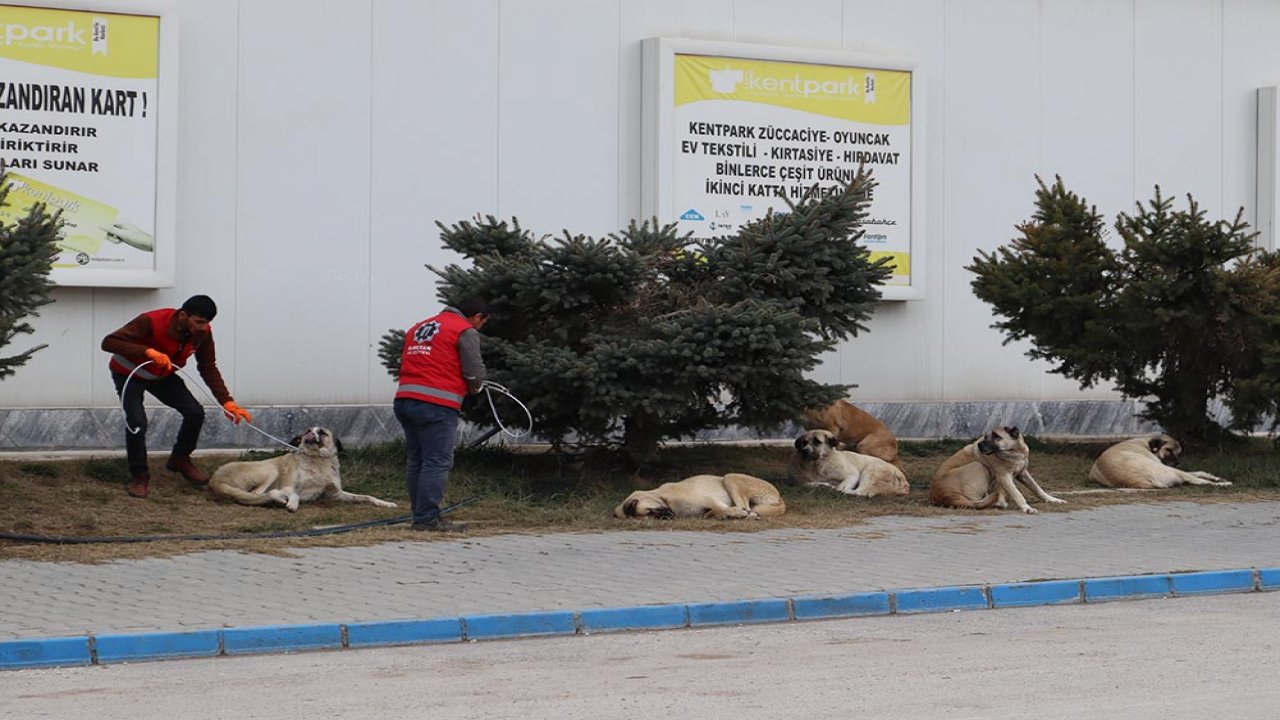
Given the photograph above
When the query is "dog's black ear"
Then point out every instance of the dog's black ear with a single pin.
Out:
(833, 441)
(1155, 443)
(1013, 431)
(629, 507)
(663, 513)
(296, 441)
(337, 443)
(799, 443)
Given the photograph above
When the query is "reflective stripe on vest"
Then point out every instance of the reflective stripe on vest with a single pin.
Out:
(430, 369)
(429, 392)
(128, 366)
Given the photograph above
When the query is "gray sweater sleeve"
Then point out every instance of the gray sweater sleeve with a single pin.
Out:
(469, 355)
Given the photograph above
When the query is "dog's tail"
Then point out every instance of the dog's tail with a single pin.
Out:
(227, 490)
(768, 506)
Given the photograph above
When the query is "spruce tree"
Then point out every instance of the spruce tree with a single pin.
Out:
(27, 248)
(1182, 314)
(647, 335)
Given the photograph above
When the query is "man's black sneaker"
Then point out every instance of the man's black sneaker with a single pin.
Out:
(441, 526)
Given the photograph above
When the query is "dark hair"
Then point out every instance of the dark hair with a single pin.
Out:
(200, 306)
(473, 306)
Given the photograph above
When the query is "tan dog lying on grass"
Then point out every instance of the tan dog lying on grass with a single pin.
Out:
(1147, 463)
(819, 461)
(727, 497)
(985, 474)
(856, 428)
(289, 479)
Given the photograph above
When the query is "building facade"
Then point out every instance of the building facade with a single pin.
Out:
(319, 141)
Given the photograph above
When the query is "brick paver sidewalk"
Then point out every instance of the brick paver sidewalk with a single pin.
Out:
(519, 573)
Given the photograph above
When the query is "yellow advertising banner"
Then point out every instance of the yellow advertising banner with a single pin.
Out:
(107, 44)
(863, 95)
(79, 133)
(754, 136)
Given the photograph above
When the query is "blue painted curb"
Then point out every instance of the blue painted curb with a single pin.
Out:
(1127, 588)
(739, 612)
(121, 647)
(1048, 592)
(841, 606)
(941, 599)
(281, 638)
(45, 652)
(1269, 579)
(645, 617)
(404, 632)
(135, 647)
(560, 622)
(1224, 581)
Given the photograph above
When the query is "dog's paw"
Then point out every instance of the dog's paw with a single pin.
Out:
(1223, 483)
(384, 503)
(1030, 510)
(1052, 499)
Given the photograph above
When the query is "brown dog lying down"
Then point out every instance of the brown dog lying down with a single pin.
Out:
(289, 479)
(819, 461)
(717, 497)
(856, 428)
(1147, 463)
(982, 474)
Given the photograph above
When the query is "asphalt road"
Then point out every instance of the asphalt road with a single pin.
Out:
(1177, 658)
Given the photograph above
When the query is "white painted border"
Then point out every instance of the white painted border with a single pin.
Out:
(166, 201)
(656, 161)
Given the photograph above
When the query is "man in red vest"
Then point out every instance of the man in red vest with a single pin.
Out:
(439, 366)
(150, 347)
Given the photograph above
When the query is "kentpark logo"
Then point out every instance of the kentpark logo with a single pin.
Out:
(71, 35)
(728, 81)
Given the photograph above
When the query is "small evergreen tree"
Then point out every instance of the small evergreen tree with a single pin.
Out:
(645, 335)
(1180, 316)
(27, 248)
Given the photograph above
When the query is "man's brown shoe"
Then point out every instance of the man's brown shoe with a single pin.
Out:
(183, 466)
(139, 487)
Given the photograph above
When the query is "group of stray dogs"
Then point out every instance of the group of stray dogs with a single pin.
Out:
(844, 448)
(848, 449)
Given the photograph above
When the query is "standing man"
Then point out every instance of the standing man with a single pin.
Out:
(439, 365)
(166, 338)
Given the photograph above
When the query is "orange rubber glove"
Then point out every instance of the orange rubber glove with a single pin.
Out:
(235, 413)
(160, 360)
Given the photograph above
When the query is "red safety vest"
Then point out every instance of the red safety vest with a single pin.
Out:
(177, 350)
(430, 369)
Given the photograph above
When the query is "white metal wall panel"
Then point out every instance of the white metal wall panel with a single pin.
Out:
(799, 23)
(321, 140)
(207, 192)
(1086, 101)
(434, 151)
(992, 148)
(1178, 101)
(558, 115)
(61, 374)
(1250, 60)
(640, 19)
(902, 357)
(303, 245)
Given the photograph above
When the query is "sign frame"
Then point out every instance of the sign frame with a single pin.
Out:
(165, 105)
(658, 179)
